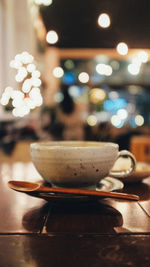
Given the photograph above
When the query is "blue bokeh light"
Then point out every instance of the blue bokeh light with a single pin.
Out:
(75, 91)
(69, 78)
(132, 122)
(112, 105)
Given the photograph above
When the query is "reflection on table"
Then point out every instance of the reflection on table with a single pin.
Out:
(101, 231)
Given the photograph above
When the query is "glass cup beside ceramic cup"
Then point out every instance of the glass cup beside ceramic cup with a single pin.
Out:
(78, 163)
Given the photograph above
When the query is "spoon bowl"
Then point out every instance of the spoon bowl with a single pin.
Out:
(23, 186)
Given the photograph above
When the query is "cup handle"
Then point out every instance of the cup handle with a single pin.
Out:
(124, 173)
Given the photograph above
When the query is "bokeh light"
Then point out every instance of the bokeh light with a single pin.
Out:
(130, 108)
(83, 77)
(36, 74)
(22, 73)
(26, 85)
(58, 72)
(122, 48)
(115, 120)
(29, 95)
(43, 2)
(59, 97)
(113, 105)
(104, 20)
(52, 37)
(91, 120)
(31, 67)
(69, 64)
(97, 95)
(69, 78)
(143, 56)
(104, 69)
(139, 120)
(113, 95)
(135, 89)
(75, 91)
(115, 65)
(122, 114)
(133, 69)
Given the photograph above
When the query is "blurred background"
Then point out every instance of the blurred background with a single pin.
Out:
(74, 70)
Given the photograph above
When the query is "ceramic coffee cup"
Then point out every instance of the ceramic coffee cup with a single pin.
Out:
(77, 163)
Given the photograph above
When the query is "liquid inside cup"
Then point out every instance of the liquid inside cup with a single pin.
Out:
(73, 144)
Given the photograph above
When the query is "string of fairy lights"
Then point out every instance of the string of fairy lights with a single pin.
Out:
(29, 96)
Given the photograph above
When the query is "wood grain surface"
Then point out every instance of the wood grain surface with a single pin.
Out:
(33, 232)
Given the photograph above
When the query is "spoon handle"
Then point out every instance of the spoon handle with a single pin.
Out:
(88, 192)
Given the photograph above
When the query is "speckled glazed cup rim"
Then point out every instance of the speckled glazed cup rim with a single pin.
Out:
(68, 145)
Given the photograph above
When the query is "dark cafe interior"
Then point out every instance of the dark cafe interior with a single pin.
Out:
(74, 133)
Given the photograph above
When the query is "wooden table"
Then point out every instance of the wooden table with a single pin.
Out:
(34, 232)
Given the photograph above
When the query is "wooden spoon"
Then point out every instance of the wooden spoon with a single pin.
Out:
(24, 186)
